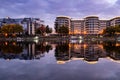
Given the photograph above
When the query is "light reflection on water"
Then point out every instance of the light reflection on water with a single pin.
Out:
(60, 61)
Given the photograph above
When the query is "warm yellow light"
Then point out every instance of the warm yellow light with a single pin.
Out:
(92, 62)
(14, 43)
(85, 46)
(6, 43)
(117, 45)
(85, 32)
(100, 46)
(76, 46)
(101, 32)
(69, 45)
(14, 34)
(61, 62)
(6, 34)
(76, 32)
(74, 58)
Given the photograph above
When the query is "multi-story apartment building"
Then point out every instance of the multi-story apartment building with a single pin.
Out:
(88, 25)
(115, 21)
(103, 24)
(29, 24)
(84, 51)
(77, 27)
(63, 21)
(91, 25)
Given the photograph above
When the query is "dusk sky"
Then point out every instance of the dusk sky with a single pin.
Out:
(47, 10)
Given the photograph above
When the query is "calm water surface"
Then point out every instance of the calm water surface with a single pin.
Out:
(60, 61)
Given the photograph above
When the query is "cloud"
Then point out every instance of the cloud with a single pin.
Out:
(49, 9)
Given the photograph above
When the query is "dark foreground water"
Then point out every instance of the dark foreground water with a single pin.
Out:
(60, 61)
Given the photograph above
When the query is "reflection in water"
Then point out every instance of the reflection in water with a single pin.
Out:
(89, 52)
(113, 49)
(62, 52)
(26, 51)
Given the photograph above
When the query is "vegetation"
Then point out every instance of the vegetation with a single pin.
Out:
(62, 52)
(48, 30)
(63, 30)
(112, 47)
(14, 49)
(11, 29)
(56, 27)
(112, 30)
(43, 47)
(43, 30)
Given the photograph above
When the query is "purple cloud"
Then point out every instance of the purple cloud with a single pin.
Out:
(49, 9)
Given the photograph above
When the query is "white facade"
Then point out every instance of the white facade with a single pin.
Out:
(77, 27)
(63, 20)
(103, 25)
(32, 24)
(29, 24)
(115, 21)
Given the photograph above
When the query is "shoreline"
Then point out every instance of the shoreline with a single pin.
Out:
(58, 38)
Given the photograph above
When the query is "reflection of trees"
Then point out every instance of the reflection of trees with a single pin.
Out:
(48, 47)
(62, 51)
(109, 46)
(11, 49)
(28, 51)
(42, 48)
(113, 48)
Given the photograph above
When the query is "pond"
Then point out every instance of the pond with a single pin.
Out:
(97, 60)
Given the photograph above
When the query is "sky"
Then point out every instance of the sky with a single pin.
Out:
(47, 10)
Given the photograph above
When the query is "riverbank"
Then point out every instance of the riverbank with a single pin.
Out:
(58, 38)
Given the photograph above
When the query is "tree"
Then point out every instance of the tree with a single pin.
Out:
(62, 52)
(112, 30)
(48, 30)
(41, 30)
(117, 28)
(11, 29)
(63, 30)
(56, 27)
(15, 49)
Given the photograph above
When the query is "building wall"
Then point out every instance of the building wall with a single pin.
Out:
(92, 25)
(29, 24)
(63, 20)
(103, 25)
(77, 27)
(115, 21)
(89, 25)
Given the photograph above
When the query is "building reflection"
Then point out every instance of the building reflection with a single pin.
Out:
(113, 49)
(23, 51)
(62, 52)
(88, 52)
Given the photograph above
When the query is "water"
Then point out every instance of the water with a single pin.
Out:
(60, 60)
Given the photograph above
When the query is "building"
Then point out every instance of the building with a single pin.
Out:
(103, 24)
(29, 24)
(62, 21)
(77, 27)
(115, 21)
(89, 25)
